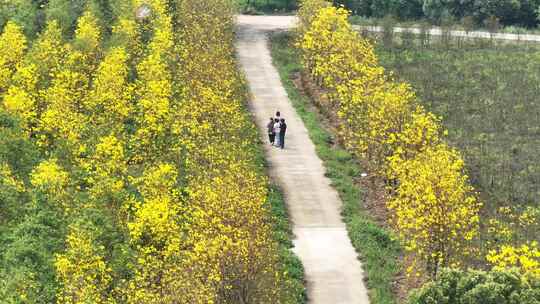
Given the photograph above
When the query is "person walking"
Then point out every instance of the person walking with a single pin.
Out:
(271, 133)
(277, 130)
(282, 130)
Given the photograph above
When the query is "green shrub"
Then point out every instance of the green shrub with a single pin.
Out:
(66, 12)
(436, 10)
(381, 8)
(23, 12)
(27, 272)
(15, 150)
(479, 287)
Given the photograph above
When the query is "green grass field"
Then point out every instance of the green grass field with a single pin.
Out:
(488, 97)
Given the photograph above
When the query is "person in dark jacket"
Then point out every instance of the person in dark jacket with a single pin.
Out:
(282, 130)
(271, 132)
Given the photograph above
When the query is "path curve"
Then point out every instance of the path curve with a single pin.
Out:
(333, 272)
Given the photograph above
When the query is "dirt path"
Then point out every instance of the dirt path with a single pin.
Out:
(333, 273)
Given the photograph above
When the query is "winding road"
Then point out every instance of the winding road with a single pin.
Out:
(333, 272)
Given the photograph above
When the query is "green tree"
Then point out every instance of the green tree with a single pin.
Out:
(381, 8)
(520, 12)
(23, 12)
(436, 9)
(65, 12)
(479, 287)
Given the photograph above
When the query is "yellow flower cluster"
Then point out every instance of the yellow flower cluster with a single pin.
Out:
(509, 233)
(526, 257)
(433, 207)
(50, 178)
(12, 48)
(83, 270)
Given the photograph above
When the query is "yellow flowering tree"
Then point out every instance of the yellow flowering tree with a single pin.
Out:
(82, 270)
(48, 54)
(154, 88)
(107, 169)
(88, 38)
(433, 207)
(434, 210)
(526, 257)
(307, 11)
(50, 178)
(12, 49)
(158, 234)
(62, 122)
(21, 98)
(232, 244)
(109, 104)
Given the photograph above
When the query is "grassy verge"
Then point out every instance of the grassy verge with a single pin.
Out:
(378, 249)
(282, 232)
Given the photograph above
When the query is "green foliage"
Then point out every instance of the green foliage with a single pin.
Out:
(479, 287)
(31, 229)
(510, 12)
(27, 273)
(381, 8)
(270, 6)
(25, 13)
(436, 9)
(362, 8)
(66, 12)
(404, 9)
(15, 150)
(410, 9)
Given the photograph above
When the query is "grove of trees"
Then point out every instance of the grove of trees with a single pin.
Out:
(129, 167)
(433, 208)
(509, 12)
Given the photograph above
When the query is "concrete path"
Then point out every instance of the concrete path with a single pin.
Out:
(333, 273)
(287, 22)
(463, 34)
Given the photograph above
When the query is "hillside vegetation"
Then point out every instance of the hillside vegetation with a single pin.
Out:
(130, 171)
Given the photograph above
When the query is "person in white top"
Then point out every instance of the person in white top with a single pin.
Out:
(277, 129)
